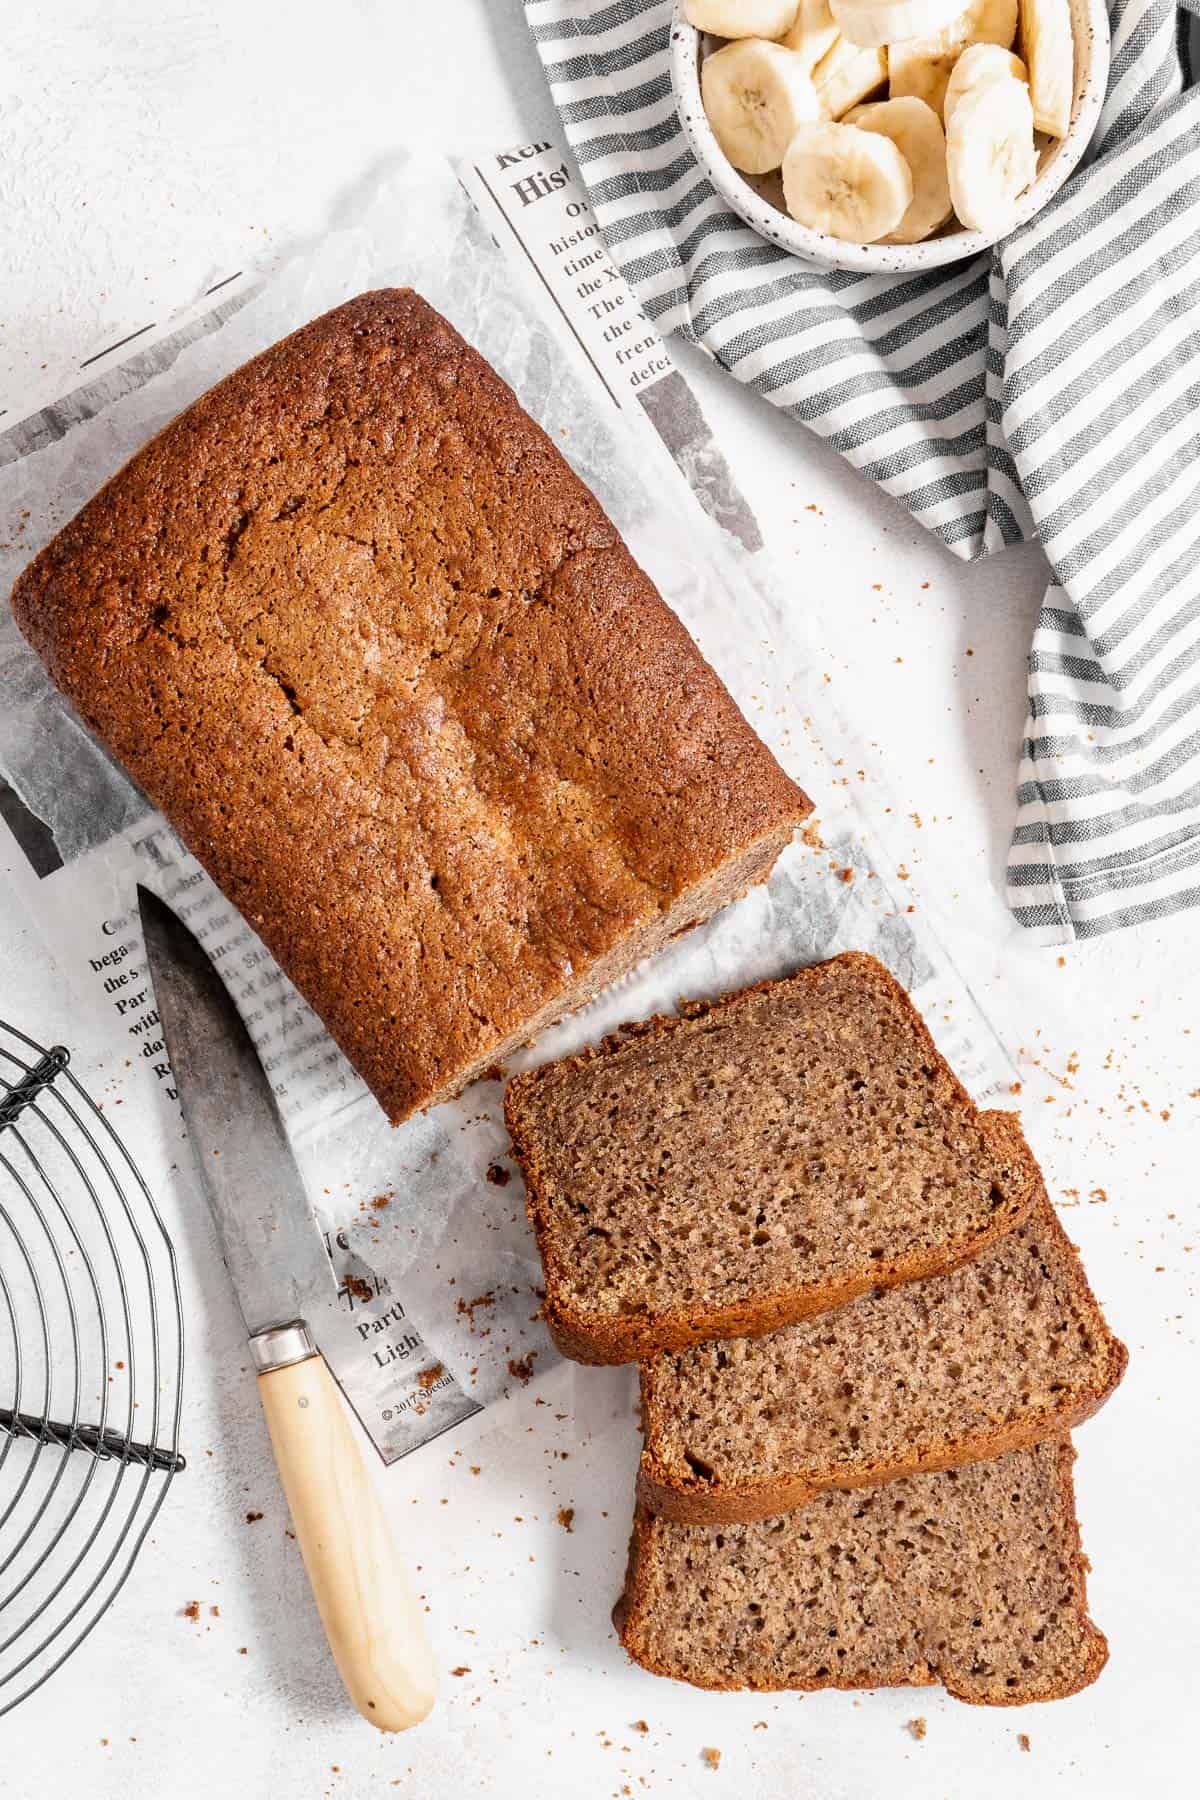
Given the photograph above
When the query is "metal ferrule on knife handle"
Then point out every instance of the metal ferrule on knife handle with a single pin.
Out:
(280, 1346)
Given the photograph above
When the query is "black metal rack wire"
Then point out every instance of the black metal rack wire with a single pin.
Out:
(91, 1363)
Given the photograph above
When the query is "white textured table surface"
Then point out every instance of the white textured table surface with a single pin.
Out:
(146, 149)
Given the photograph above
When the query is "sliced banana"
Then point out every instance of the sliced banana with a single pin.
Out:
(845, 182)
(922, 66)
(990, 155)
(845, 75)
(871, 23)
(975, 68)
(755, 95)
(812, 32)
(916, 131)
(1050, 52)
(741, 18)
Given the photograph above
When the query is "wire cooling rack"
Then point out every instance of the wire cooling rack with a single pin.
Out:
(91, 1364)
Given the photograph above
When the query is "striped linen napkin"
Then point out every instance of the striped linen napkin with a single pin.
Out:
(1051, 390)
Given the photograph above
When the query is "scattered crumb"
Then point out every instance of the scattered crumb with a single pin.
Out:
(521, 1369)
(252, 1518)
(498, 1175)
(1023, 1740)
(381, 1202)
(360, 1289)
(191, 1610)
(467, 1307)
(215, 1611)
(760, 1724)
(916, 1728)
(429, 1378)
(845, 875)
(566, 1517)
(711, 1757)
(242, 1650)
(811, 835)
(640, 1725)
(462, 1669)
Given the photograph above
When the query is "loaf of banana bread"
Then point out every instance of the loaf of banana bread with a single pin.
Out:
(380, 657)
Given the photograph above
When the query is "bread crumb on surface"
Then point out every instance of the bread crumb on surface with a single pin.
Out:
(640, 1725)
(521, 1369)
(252, 1518)
(468, 1307)
(566, 1517)
(916, 1728)
(711, 1757)
(429, 1378)
(1023, 1740)
(498, 1175)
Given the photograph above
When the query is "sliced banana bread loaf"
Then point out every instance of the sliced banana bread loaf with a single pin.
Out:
(973, 1578)
(754, 1161)
(1002, 1352)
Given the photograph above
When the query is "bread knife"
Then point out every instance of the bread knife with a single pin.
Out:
(277, 1260)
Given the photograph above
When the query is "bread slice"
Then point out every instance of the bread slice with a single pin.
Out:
(973, 1577)
(998, 1354)
(754, 1161)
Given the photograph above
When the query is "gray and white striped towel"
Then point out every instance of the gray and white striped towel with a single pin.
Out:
(1051, 390)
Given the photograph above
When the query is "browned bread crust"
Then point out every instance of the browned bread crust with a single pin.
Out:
(815, 1571)
(595, 1333)
(684, 1487)
(355, 626)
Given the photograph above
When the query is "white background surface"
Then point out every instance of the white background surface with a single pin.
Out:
(145, 151)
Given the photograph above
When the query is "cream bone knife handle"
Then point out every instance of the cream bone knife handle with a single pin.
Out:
(367, 1607)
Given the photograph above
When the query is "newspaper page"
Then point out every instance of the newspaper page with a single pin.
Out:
(436, 1318)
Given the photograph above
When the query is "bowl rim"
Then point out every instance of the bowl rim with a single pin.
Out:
(815, 247)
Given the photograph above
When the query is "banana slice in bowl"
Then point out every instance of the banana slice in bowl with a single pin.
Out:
(986, 44)
(845, 182)
(917, 133)
(756, 94)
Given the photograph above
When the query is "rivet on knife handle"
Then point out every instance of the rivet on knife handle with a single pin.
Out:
(370, 1614)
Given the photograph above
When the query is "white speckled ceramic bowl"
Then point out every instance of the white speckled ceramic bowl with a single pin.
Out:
(759, 198)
